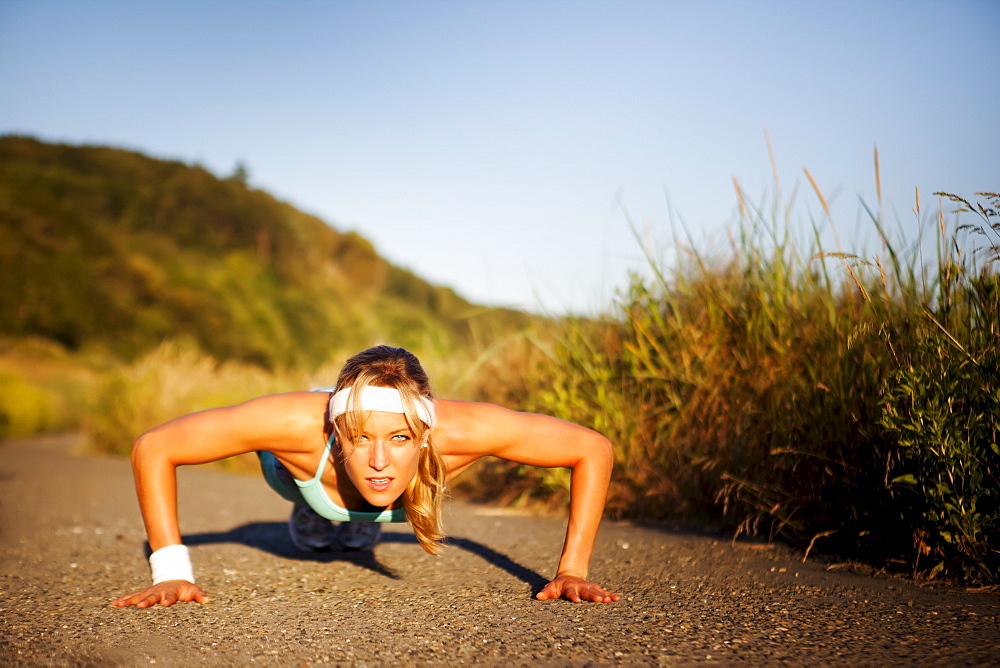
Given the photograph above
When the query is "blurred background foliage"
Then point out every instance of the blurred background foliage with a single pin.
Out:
(106, 248)
(848, 403)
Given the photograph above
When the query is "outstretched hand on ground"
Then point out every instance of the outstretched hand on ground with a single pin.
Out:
(576, 589)
(165, 593)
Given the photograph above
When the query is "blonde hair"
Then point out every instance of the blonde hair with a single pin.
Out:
(385, 366)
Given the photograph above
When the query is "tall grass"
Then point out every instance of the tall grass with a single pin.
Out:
(846, 403)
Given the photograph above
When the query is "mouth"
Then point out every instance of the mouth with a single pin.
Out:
(379, 484)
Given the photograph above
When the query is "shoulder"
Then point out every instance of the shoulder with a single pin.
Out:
(466, 427)
(467, 419)
(290, 414)
(279, 420)
(286, 402)
(281, 423)
(280, 408)
(466, 431)
(461, 424)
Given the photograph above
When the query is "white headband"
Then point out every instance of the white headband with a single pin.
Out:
(375, 398)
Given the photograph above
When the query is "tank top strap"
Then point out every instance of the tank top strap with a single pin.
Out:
(323, 459)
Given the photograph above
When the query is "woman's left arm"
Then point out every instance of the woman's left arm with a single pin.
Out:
(588, 492)
(540, 440)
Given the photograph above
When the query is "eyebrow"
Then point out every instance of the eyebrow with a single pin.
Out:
(397, 432)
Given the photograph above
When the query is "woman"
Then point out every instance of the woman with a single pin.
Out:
(377, 448)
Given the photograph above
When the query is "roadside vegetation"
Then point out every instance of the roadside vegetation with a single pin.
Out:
(847, 402)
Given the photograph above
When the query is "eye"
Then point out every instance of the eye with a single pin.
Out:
(401, 438)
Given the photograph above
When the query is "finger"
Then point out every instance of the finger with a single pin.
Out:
(572, 593)
(169, 598)
(551, 590)
(597, 595)
(193, 593)
(133, 599)
(125, 600)
(149, 600)
(608, 596)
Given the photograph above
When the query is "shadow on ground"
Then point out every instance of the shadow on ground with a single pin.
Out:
(272, 537)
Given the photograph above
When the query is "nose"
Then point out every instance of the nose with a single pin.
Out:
(379, 458)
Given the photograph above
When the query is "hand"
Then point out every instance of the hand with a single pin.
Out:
(576, 589)
(165, 593)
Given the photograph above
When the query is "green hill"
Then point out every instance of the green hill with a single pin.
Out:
(108, 249)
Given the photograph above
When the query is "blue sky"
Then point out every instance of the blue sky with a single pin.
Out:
(489, 145)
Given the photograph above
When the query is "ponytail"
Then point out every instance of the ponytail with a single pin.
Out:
(423, 499)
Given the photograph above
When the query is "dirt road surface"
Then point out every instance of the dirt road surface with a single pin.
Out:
(71, 541)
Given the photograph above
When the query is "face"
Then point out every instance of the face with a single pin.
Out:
(381, 461)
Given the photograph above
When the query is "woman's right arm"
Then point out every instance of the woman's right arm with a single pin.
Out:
(276, 422)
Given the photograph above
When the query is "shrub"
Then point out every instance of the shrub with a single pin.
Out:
(25, 407)
(942, 407)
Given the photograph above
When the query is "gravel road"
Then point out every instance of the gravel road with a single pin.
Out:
(71, 541)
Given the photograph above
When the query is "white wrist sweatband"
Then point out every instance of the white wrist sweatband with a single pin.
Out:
(171, 563)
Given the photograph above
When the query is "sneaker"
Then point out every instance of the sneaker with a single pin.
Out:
(309, 530)
(356, 536)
